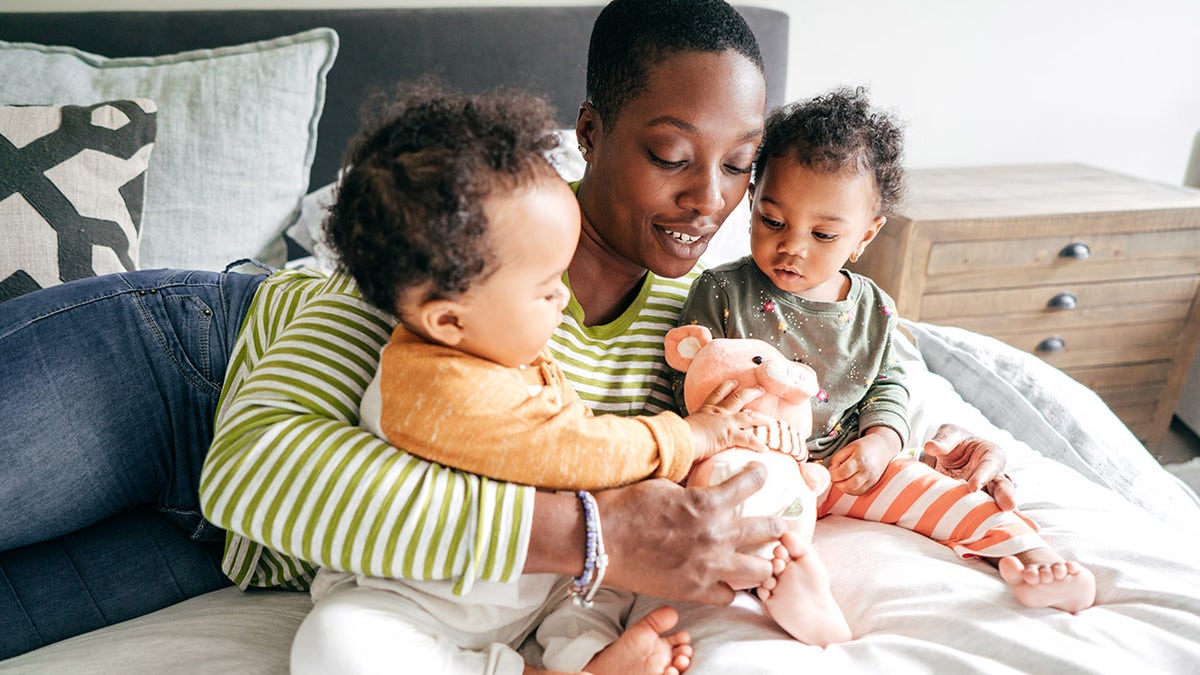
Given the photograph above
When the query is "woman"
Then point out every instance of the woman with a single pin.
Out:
(111, 383)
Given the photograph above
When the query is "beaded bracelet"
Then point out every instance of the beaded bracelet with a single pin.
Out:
(595, 560)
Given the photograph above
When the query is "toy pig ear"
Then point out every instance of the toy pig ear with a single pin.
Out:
(682, 344)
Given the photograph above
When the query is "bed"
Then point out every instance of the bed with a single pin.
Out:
(247, 136)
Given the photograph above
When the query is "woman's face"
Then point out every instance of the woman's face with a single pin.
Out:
(666, 173)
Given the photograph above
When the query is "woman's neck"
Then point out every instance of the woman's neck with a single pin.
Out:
(603, 282)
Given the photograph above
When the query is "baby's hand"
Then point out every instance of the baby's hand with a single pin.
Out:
(856, 468)
(720, 423)
(714, 430)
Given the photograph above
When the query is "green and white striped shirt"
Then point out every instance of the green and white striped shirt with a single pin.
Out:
(298, 485)
(619, 367)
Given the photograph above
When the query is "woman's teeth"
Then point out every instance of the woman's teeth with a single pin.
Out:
(684, 238)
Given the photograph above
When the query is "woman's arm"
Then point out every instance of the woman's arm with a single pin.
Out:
(957, 453)
(290, 469)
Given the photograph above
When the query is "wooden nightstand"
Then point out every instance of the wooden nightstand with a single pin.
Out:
(1095, 272)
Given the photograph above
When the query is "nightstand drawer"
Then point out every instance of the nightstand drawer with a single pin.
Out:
(1095, 272)
(1060, 306)
(1061, 259)
(1090, 346)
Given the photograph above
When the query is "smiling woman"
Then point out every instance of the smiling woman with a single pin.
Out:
(925, 612)
(665, 173)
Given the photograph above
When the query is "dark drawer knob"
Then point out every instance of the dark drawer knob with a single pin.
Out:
(1064, 300)
(1077, 250)
(1052, 344)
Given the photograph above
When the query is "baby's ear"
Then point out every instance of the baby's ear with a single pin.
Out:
(683, 343)
(441, 320)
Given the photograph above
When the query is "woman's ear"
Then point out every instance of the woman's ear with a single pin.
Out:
(441, 321)
(587, 126)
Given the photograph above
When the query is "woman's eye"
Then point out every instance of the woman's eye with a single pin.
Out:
(666, 164)
(738, 170)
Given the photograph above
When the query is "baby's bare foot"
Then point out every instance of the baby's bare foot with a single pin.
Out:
(778, 564)
(1042, 578)
(642, 648)
(799, 599)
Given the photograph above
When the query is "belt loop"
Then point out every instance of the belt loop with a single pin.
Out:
(251, 261)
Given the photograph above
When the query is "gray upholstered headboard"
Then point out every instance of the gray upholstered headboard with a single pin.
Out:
(543, 48)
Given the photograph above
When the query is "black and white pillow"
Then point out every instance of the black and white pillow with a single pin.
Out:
(72, 185)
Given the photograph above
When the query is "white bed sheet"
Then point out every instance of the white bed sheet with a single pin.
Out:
(914, 607)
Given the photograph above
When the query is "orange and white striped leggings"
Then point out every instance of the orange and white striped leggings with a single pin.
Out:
(917, 497)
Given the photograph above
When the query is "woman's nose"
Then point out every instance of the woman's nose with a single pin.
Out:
(703, 195)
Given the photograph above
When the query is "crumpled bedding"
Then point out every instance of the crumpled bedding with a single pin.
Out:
(914, 606)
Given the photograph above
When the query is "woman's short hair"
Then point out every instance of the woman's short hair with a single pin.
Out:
(630, 36)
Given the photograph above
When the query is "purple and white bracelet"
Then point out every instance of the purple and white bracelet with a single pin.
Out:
(595, 560)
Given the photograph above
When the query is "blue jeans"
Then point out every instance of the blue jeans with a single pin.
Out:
(108, 389)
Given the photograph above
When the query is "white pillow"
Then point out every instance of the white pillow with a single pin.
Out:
(1053, 414)
(236, 136)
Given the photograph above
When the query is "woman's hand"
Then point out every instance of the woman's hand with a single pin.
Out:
(857, 467)
(958, 454)
(685, 544)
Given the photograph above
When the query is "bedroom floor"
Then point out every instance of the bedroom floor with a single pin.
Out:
(1181, 454)
(1181, 445)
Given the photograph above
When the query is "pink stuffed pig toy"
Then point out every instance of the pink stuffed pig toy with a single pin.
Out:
(794, 484)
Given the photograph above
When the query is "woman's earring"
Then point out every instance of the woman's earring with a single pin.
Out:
(582, 150)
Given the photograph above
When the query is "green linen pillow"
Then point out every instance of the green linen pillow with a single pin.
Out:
(236, 136)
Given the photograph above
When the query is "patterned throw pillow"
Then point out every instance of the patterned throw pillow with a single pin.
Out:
(236, 135)
(72, 184)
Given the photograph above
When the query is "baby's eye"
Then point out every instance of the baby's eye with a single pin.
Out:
(770, 224)
(824, 236)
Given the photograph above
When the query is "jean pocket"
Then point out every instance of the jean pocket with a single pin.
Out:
(182, 317)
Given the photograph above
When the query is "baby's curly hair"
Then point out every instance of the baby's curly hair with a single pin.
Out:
(409, 209)
(836, 130)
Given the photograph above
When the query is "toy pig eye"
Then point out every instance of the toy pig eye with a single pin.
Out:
(757, 360)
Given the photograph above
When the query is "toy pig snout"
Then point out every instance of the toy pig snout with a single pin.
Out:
(791, 381)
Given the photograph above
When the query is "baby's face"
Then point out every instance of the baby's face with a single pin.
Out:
(805, 224)
(510, 315)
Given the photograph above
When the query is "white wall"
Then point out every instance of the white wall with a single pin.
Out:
(1114, 83)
